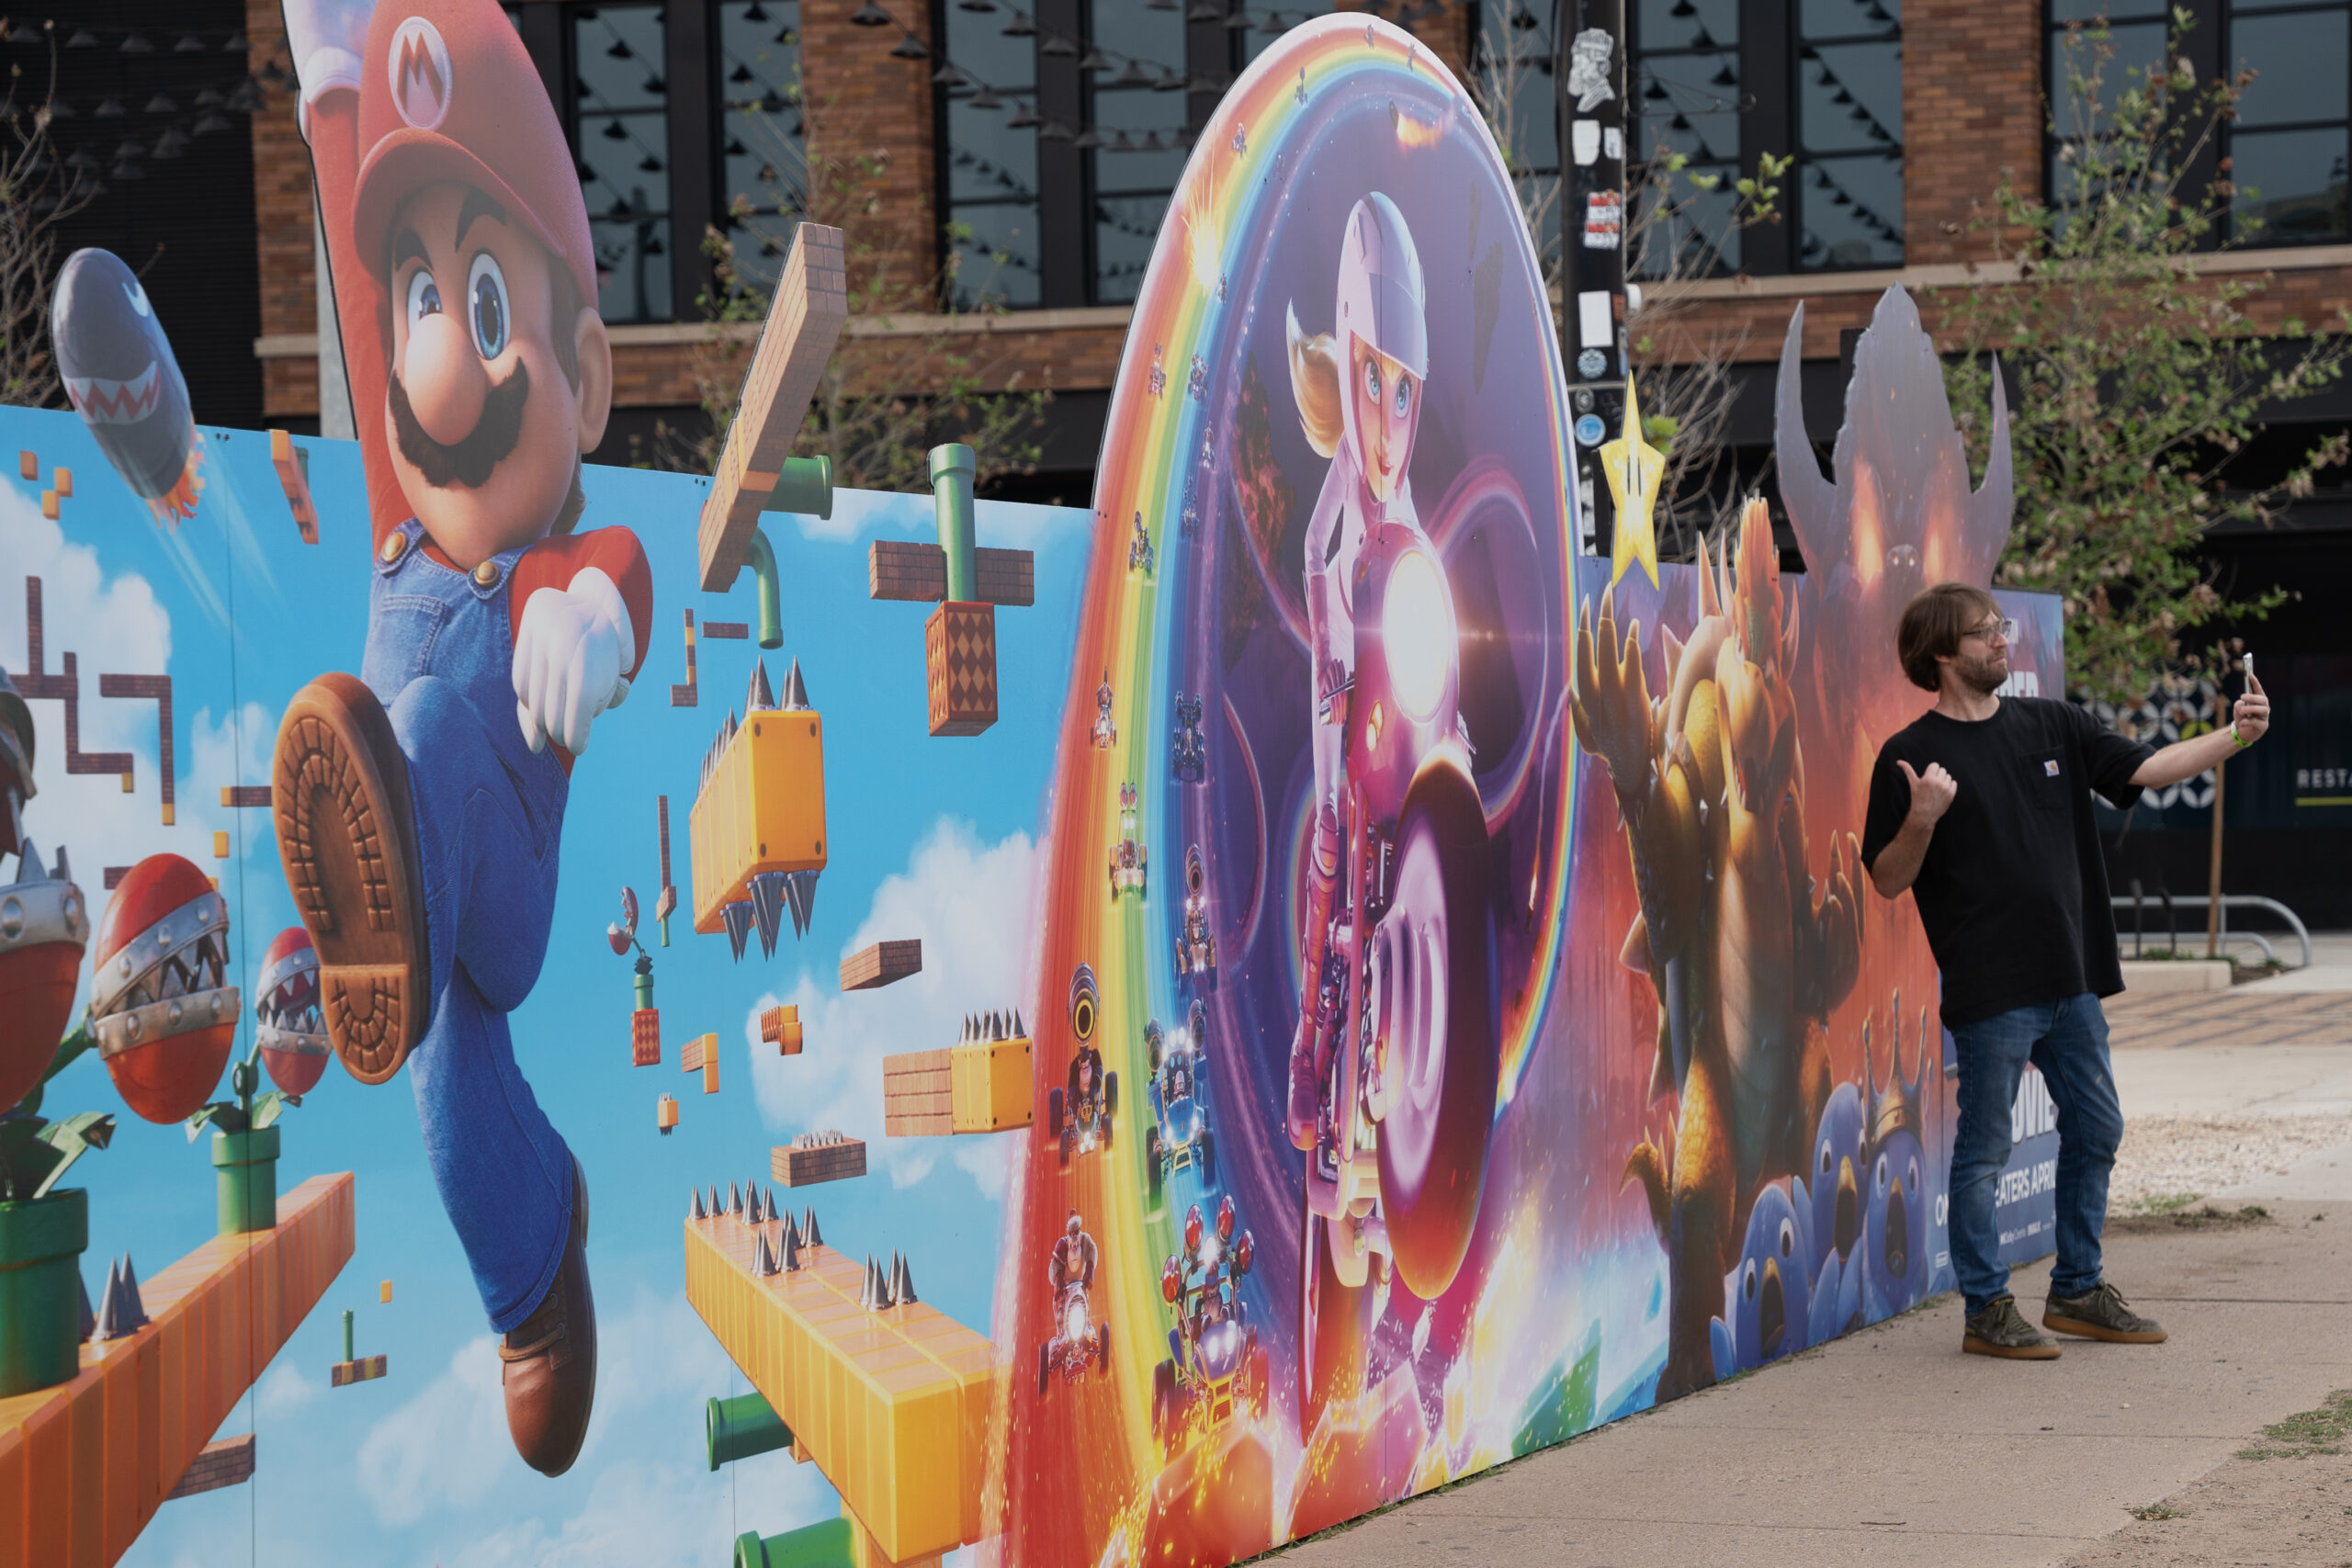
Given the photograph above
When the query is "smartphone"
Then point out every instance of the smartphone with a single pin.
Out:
(2246, 663)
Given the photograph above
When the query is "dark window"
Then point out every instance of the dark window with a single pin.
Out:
(1688, 100)
(2287, 142)
(1848, 173)
(620, 115)
(2286, 148)
(1512, 74)
(1064, 126)
(1135, 142)
(987, 106)
(762, 154)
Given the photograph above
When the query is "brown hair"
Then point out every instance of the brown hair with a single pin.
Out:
(1933, 624)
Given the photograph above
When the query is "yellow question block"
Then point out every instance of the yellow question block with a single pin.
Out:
(990, 1086)
(762, 809)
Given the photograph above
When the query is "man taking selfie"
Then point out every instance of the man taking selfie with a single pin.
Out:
(1982, 806)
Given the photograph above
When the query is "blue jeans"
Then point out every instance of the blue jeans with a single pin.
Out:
(2067, 1040)
(489, 825)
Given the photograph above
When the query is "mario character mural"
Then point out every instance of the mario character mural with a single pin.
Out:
(420, 805)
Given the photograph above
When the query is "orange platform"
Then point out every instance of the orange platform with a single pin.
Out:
(892, 1405)
(85, 1465)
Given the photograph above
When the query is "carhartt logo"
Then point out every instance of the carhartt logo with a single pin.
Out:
(2050, 766)
(419, 67)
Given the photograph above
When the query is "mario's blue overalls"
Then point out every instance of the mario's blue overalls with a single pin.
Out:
(489, 825)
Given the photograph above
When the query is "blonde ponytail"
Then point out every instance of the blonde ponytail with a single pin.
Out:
(1315, 382)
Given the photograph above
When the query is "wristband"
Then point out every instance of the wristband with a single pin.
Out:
(2240, 742)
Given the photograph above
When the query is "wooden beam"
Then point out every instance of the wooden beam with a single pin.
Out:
(804, 323)
(85, 1465)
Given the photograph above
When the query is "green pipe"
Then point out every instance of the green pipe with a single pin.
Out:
(762, 561)
(740, 1427)
(829, 1545)
(347, 1354)
(805, 486)
(953, 468)
(642, 984)
(41, 1242)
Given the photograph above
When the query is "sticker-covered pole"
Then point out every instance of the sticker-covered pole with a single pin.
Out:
(1590, 67)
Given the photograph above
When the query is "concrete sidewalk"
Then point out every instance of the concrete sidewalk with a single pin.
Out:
(1890, 1447)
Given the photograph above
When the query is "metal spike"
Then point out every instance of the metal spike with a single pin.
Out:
(103, 1328)
(800, 894)
(760, 698)
(767, 908)
(810, 1234)
(1018, 1032)
(758, 1216)
(865, 1285)
(738, 917)
(788, 1251)
(697, 1213)
(906, 1286)
(136, 1308)
(897, 1272)
(796, 694)
(764, 1260)
(734, 1201)
(771, 1201)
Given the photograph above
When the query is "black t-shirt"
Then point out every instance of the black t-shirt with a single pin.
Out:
(2013, 890)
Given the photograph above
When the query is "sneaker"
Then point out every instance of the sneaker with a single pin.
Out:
(2101, 1312)
(2001, 1330)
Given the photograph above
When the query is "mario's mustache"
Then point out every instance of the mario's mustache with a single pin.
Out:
(471, 461)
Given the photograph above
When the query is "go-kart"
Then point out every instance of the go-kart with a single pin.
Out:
(1080, 1112)
(1181, 1139)
(1215, 1366)
(1127, 857)
(1078, 1343)
(1195, 947)
(1188, 752)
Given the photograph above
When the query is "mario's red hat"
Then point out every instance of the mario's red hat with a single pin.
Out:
(448, 92)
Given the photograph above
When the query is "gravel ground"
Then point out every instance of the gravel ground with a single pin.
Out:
(2163, 1158)
(2281, 1503)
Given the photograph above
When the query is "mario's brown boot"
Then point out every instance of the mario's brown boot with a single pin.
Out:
(550, 1358)
(347, 836)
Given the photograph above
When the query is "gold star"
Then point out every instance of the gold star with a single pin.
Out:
(1633, 467)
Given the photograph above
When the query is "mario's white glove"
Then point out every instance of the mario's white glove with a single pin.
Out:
(574, 654)
(327, 39)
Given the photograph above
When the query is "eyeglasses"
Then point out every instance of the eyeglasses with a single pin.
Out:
(2002, 627)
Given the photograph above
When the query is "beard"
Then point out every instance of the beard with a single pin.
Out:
(470, 461)
(1984, 676)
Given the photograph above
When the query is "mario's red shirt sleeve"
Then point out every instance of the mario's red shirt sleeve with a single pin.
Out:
(554, 562)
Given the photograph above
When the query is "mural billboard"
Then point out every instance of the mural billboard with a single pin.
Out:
(1286, 988)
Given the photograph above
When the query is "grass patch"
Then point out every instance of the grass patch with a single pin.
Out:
(2159, 1511)
(2320, 1431)
(2164, 1213)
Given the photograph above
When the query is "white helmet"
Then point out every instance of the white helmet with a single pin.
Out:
(1382, 297)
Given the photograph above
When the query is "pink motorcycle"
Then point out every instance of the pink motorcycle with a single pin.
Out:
(1405, 1015)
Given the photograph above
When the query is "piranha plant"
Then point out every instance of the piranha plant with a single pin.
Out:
(43, 1232)
(244, 1146)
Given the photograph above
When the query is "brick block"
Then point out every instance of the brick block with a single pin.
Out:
(780, 1027)
(367, 1368)
(229, 1462)
(881, 964)
(804, 1166)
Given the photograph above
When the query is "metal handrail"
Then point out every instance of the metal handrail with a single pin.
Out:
(2229, 901)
